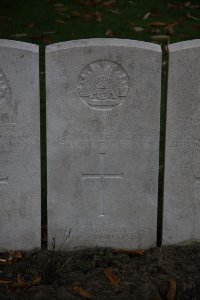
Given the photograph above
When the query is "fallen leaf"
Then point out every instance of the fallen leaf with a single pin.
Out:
(21, 283)
(59, 21)
(109, 33)
(6, 281)
(58, 5)
(114, 11)
(88, 17)
(146, 16)
(75, 14)
(131, 24)
(82, 292)
(174, 5)
(156, 15)
(11, 258)
(111, 277)
(48, 32)
(187, 4)
(46, 41)
(138, 29)
(160, 37)
(159, 24)
(19, 35)
(172, 25)
(172, 289)
(30, 25)
(196, 27)
(4, 18)
(155, 30)
(36, 280)
(61, 9)
(89, 2)
(195, 6)
(17, 255)
(11, 255)
(109, 3)
(98, 17)
(191, 17)
(127, 251)
(3, 260)
(36, 37)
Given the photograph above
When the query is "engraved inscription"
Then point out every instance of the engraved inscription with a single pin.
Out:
(3, 87)
(102, 176)
(12, 143)
(8, 107)
(137, 142)
(103, 84)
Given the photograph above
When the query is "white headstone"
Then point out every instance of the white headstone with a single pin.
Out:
(103, 104)
(182, 167)
(20, 213)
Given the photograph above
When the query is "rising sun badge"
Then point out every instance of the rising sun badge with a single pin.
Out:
(103, 84)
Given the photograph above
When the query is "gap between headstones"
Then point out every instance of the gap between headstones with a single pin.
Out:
(43, 148)
(163, 112)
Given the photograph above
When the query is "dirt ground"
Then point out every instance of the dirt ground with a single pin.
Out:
(159, 273)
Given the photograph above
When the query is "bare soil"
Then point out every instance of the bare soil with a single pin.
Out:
(161, 273)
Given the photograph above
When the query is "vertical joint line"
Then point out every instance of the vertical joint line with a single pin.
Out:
(163, 118)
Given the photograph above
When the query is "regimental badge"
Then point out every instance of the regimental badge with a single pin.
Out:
(103, 84)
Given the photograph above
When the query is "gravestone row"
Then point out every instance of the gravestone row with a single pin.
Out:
(182, 170)
(103, 120)
(20, 201)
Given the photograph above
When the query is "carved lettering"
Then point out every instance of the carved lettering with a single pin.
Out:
(8, 107)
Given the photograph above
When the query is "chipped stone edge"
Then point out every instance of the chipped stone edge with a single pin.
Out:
(191, 44)
(19, 45)
(103, 42)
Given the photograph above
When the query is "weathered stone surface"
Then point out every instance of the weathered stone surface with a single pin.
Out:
(103, 103)
(20, 212)
(182, 167)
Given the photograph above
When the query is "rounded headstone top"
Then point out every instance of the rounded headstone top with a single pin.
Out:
(19, 45)
(184, 45)
(103, 42)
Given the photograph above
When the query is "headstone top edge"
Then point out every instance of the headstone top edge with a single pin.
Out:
(103, 42)
(184, 45)
(19, 45)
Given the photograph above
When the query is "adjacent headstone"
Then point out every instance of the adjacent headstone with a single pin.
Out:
(20, 213)
(103, 107)
(182, 167)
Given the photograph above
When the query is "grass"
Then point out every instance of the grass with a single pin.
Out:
(45, 22)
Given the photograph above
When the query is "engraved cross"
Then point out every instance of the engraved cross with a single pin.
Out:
(102, 176)
(197, 179)
(4, 180)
